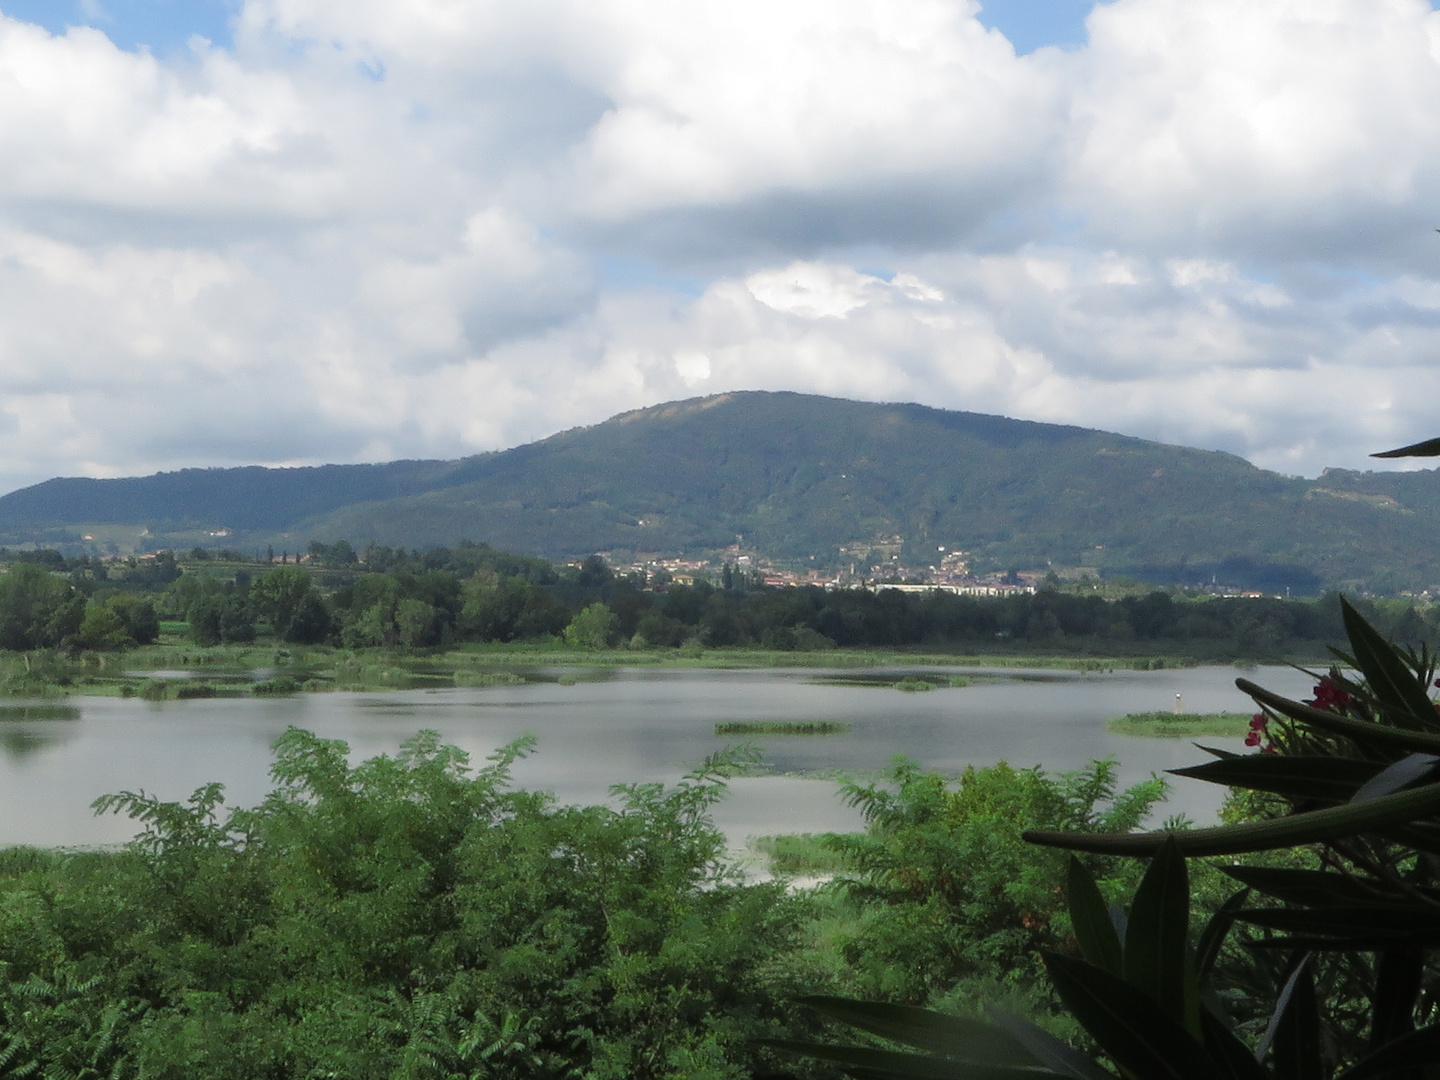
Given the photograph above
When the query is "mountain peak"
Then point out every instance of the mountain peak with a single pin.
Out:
(800, 476)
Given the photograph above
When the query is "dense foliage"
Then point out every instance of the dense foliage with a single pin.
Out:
(394, 597)
(949, 901)
(405, 917)
(410, 917)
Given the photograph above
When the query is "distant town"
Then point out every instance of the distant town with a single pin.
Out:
(875, 565)
(871, 566)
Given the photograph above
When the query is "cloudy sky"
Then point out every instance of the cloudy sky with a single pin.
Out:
(295, 231)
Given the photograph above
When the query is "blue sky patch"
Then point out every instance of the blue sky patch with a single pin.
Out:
(165, 26)
(1032, 24)
(162, 26)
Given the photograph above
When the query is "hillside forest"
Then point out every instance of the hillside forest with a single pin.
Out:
(810, 481)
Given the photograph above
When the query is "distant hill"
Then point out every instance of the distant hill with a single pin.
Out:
(800, 478)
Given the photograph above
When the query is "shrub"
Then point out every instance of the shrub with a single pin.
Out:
(592, 628)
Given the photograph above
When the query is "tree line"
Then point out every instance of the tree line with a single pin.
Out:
(394, 597)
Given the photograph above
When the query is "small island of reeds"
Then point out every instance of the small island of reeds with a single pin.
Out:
(1170, 725)
(781, 727)
(800, 854)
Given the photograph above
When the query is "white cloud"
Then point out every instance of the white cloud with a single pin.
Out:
(378, 229)
(1297, 126)
(814, 290)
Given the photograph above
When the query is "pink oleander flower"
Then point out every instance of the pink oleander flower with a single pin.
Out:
(1329, 697)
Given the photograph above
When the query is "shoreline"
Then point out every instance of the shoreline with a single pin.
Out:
(177, 669)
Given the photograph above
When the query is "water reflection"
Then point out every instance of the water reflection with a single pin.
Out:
(39, 710)
(30, 728)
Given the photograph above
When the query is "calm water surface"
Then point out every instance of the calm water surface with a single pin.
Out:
(629, 725)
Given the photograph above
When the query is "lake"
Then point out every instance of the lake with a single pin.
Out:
(622, 725)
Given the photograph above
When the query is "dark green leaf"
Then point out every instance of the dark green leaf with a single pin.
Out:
(1382, 922)
(891, 1063)
(1130, 1027)
(1420, 836)
(1298, 777)
(1207, 950)
(1309, 943)
(1310, 888)
(1405, 698)
(1428, 448)
(1282, 1003)
(937, 1033)
(1215, 751)
(1397, 775)
(1398, 979)
(1297, 1039)
(1048, 1050)
(1308, 828)
(1407, 1052)
(1090, 915)
(1231, 1055)
(1157, 937)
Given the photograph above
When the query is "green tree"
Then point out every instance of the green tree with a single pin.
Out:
(37, 609)
(139, 616)
(205, 617)
(654, 631)
(102, 628)
(592, 628)
(310, 623)
(415, 622)
(498, 608)
(369, 611)
(237, 624)
(336, 556)
(281, 595)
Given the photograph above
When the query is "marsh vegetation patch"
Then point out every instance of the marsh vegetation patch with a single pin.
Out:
(780, 727)
(1171, 725)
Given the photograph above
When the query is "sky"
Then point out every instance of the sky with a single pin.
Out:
(300, 231)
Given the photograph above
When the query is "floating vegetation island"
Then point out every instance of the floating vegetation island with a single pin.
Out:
(1171, 725)
(910, 682)
(781, 727)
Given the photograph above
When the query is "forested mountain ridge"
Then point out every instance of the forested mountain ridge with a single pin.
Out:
(802, 476)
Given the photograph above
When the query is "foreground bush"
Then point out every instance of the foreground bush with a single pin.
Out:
(949, 897)
(405, 917)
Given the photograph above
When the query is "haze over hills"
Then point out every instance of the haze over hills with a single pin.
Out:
(800, 477)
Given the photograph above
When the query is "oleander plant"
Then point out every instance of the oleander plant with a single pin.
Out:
(1320, 965)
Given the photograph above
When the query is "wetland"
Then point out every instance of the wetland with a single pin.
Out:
(595, 726)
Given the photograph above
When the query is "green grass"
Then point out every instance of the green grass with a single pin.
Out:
(799, 854)
(490, 678)
(1169, 725)
(781, 727)
(910, 682)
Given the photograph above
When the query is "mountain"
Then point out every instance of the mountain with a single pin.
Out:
(801, 477)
